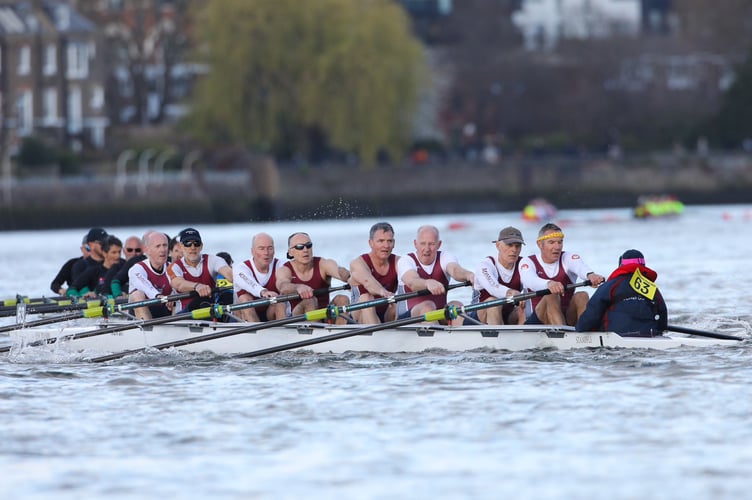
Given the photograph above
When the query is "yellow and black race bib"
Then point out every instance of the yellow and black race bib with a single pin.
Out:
(223, 283)
(642, 285)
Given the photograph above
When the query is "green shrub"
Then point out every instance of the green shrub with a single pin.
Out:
(70, 163)
(35, 152)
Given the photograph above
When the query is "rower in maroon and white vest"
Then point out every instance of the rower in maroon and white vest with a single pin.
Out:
(304, 273)
(256, 278)
(374, 276)
(499, 277)
(554, 269)
(148, 278)
(197, 271)
(428, 268)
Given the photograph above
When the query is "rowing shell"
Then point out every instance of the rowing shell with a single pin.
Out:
(413, 338)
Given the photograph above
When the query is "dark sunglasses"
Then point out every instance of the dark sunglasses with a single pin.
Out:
(301, 246)
(192, 244)
(131, 250)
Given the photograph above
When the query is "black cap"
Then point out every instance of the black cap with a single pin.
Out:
(226, 256)
(189, 234)
(96, 234)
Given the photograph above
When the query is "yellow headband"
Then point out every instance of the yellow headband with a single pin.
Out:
(557, 234)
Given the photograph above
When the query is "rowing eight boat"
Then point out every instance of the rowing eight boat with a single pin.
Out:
(413, 338)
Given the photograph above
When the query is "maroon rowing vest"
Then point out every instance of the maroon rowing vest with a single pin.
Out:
(437, 273)
(315, 282)
(561, 277)
(205, 278)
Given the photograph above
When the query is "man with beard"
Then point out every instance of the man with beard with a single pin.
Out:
(197, 271)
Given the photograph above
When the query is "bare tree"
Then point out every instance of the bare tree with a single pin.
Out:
(146, 40)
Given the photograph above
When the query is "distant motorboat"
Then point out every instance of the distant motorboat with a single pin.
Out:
(658, 206)
(539, 210)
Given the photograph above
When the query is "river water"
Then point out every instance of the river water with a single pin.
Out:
(624, 424)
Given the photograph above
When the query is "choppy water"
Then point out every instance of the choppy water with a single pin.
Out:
(583, 424)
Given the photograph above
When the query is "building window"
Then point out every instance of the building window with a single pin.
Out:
(97, 97)
(50, 106)
(75, 111)
(50, 60)
(78, 61)
(24, 60)
(25, 113)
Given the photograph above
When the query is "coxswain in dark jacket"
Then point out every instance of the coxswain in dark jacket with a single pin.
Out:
(628, 302)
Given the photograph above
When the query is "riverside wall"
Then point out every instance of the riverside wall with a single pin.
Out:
(264, 191)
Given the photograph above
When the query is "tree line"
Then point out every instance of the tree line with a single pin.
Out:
(343, 79)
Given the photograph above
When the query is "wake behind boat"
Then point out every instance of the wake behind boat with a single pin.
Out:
(412, 338)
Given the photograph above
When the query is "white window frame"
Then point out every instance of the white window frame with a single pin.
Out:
(24, 60)
(25, 113)
(75, 110)
(50, 60)
(78, 61)
(49, 104)
(97, 97)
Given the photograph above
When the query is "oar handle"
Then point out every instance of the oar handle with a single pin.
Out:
(516, 299)
(165, 299)
(278, 299)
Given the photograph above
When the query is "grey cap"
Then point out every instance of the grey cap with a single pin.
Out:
(510, 235)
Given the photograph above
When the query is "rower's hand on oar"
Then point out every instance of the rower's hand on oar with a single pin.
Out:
(435, 287)
(305, 291)
(555, 287)
(203, 290)
(170, 305)
(268, 294)
(513, 293)
(595, 279)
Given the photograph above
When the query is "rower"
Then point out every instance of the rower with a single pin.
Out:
(256, 278)
(429, 268)
(374, 275)
(197, 271)
(554, 269)
(304, 273)
(497, 277)
(148, 279)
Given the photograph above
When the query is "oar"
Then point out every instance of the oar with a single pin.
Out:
(97, 312)
(701, 333)
(60, 306)
(21, 299)
(315, 315)
(198, 314)
(111, 307)
(91, 309)
(449, 312)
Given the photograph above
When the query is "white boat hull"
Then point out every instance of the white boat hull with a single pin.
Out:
(414, 338)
